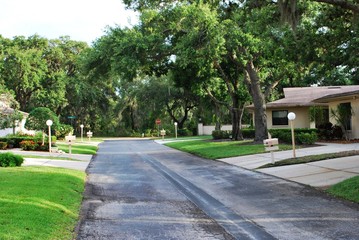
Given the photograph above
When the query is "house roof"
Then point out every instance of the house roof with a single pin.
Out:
(5, 109)
(339, 96)
(310, 96)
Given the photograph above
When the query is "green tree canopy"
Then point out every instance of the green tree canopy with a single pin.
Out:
(37, 119)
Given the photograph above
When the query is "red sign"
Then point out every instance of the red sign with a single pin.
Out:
(158, 121)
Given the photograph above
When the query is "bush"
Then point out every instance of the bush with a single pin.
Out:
(337, 132)
(307, 138)
(10, 160)
(28, 145)
(285, 134)
(63, 130)
(328, 131)
(248, 133)
(184, 132)
(221, 134)
(44, 147)
(14, 141)
(3, 145)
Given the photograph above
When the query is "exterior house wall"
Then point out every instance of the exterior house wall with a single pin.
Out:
(208, 129)
(302, 119)
(19, 128)
(354, 133)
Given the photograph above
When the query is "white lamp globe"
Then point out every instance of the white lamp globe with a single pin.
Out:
(49, 122)
(291, 116)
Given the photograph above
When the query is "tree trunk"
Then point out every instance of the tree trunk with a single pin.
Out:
(218, 115)
(237, 112)
(260, 117)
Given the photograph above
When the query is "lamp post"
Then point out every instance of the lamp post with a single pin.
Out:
(176, 129)
(49, 124)
(82, 132)
(291, 117)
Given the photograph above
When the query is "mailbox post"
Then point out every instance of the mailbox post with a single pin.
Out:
(89, 135)
(70, 140)
(271, 145)
(163, 133)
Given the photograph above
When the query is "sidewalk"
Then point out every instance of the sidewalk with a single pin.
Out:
(316, 174)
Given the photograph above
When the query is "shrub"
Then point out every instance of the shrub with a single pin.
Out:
(63, 130)
(28, 145)
(14, 140)
(184, 132)
(10, 160)
(44, 147)
(285, 134)
(3, 145)
(307, 138)
(221, 134)
(337, 132)
(248, 133)
(328, 131)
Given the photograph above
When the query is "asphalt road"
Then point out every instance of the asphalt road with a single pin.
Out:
(143, 190)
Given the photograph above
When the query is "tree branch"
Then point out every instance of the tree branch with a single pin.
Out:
(215, 100)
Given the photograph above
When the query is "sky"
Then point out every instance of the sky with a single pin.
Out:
(82, 20)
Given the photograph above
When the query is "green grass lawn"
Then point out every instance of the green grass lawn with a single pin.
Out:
(39, 202)
(217, 150)
(348, 189)
(78, 148)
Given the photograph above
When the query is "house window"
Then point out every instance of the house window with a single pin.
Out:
(280, 117)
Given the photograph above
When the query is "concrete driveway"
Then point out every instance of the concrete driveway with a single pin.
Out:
(316, 174)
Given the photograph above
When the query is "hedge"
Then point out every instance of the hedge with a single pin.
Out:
(10, 160)
(285, 135)
(14, 141)
(302, 135)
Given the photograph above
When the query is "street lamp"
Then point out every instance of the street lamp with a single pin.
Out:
(82, 132)
(49, 124)
(176, 129)
(291, 117)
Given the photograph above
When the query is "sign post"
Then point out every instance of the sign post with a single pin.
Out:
(158, 122)
(71, 118)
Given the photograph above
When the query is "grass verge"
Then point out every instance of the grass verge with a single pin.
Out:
(220, 149)
(78, 148)
(49, 157)
(39, 202)
(312, 158)
(348, 189)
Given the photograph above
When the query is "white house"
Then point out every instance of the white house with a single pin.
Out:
(5, 109)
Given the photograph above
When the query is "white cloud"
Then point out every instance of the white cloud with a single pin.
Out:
(83, 20)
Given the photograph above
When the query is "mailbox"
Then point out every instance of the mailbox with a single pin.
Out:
(163, 132)
(271, 144)
(70, 139)
(89, 134)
